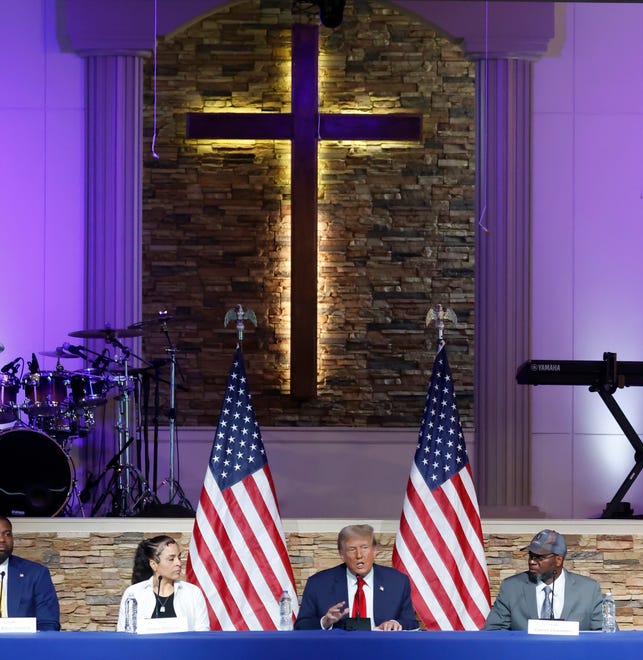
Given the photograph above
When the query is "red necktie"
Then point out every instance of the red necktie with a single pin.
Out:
(359, 604)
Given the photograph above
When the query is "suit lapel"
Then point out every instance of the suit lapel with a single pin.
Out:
(529, 594)
(378, 595)
(340, 586)
(570, 596)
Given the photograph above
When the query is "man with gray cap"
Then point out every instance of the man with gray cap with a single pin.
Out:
(546, 590)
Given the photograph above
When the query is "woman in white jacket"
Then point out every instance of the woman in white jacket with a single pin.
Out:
(158, 590)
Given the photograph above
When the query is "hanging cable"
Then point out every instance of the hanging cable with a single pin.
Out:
(484, 124)
(154, 81)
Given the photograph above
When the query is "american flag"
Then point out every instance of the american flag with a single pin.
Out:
(439, 544)
(237, 553)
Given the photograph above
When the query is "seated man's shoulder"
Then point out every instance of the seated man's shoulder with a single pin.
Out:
(328, 572)
(582, 579)
(27, 564)
(518, 578)
(388, 571)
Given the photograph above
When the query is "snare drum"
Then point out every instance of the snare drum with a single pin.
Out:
(46, 392)
(36, 475)
(9, 386)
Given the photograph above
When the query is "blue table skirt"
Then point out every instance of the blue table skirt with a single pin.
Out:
(317, 645)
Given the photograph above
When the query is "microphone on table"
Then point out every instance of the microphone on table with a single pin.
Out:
(159, 603)
(551, 614)
(1, 590)
(10, 366)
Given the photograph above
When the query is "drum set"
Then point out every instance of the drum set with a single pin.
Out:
(42, 413)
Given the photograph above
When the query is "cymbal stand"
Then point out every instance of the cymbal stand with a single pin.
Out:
(115, 487)
(121, 481)
(173, 485)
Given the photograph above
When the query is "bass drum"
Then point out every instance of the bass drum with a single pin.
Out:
(36, 475)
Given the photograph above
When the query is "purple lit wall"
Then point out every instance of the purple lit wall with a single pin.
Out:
(587, 200)
(42, 201)
(587, 266)
(42, 174)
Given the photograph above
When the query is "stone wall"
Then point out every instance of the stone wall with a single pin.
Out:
(396, 225)
(91, 561)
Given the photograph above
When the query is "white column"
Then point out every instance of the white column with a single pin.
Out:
(114, 190)
(113, 252)
(502, 284)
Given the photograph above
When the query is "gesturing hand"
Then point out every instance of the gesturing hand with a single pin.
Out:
(334, 614)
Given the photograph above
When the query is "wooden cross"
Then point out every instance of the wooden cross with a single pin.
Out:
(304, 126)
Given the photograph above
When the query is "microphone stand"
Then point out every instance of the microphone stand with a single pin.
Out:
(173, 484)
(1, 592)
(120, 484)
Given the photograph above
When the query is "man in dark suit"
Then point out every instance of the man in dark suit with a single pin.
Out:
(546, 590)
(374, 592)
(26, 589)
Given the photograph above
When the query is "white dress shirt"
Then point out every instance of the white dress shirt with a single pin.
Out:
(189, 602)
(351, 581)
(559, 595)
(368, 593)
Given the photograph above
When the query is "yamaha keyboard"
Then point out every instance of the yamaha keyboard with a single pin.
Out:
(603, 377)
(594, 373)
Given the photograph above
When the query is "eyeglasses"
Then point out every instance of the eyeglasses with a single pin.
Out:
(539, 558)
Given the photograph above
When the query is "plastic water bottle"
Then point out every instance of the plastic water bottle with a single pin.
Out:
(285, 611)
(609, 613)
(131, 609)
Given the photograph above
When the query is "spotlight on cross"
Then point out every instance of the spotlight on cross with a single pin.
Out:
(331, 12)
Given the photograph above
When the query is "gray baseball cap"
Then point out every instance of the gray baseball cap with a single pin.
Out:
(547, 541)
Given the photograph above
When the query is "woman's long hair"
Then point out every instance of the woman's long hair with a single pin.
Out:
(149, 549)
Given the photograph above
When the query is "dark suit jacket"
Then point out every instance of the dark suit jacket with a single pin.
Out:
(516, 603)
(30, 592)
(391, 597)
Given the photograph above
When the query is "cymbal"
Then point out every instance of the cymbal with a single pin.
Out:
(105, 333)
(157, 320)
(58, 353)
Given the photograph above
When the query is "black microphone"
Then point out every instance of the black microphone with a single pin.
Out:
(75, 350)
(1, 589)
(551, 614)
(100, 360)
(34, 367)
(160, 579)
(10, 366)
